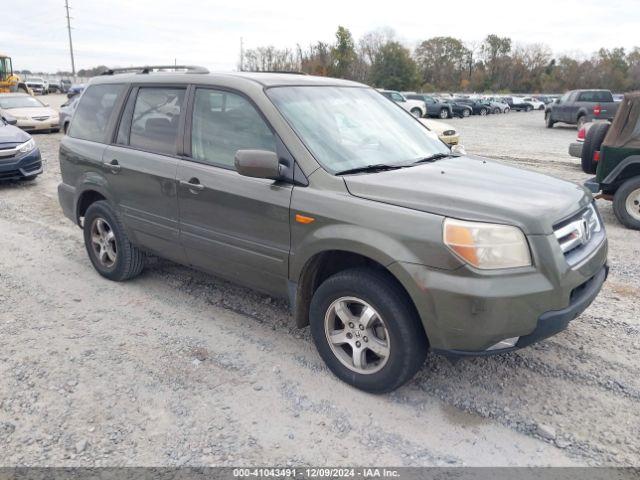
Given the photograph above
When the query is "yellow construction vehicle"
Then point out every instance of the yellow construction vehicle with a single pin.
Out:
(8, 81)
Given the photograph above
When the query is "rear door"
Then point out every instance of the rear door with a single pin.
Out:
(141, 166)
(233, 226)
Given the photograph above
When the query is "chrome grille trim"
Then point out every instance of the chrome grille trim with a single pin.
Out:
(579, 231)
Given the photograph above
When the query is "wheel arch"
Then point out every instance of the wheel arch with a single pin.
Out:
(628, 168)
(326, 263)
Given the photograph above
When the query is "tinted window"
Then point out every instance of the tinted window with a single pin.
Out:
(603, 96)
(154, 125)
(397, 97)
(94, 111)
(224, 123)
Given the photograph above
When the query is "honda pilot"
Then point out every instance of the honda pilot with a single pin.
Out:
(322, 191)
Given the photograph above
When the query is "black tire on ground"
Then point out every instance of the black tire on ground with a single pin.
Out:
(416, 112)
(592, 143)
(581, 121)
(528, 108)
(407, 341)
(541, 107)
(547, 120)
(483, 111)
(466, 112)
(497, 110)
(626, 203)
(444, 113)
(129, 259)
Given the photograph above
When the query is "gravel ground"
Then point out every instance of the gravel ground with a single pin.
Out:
(180, 368)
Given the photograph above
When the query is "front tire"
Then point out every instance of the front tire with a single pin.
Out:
(483, 112)
(416, 112)
(366, 330)
(547, 120)
(626, 203)
(107, 244)
(466, 113)
(444, 113)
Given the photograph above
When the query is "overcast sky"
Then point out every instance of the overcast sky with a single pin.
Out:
(136, 32)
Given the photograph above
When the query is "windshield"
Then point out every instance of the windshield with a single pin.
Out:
(347, 127)
(19, 102)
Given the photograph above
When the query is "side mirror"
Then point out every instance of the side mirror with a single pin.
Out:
(9, 119)
(458, 150)
(258, 164)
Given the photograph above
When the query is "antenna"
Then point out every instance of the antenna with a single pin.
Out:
(73, 62)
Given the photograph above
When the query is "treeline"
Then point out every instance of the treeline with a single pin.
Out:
(496, 64)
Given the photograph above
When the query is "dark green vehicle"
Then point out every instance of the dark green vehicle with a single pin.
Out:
(612, 152)
(322, 191)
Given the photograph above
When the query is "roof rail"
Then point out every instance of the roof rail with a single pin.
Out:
(291, 72)
(157, 68)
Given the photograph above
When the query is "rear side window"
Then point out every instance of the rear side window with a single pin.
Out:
(223, 123)
(156, 114)
(91, 119)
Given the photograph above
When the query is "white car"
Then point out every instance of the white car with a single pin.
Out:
(417, 107)
(445, 132)
(537, 104)
(31, 114)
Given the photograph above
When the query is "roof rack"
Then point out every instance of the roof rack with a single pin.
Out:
(157, 68)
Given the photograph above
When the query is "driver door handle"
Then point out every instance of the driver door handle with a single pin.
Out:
(193, 185)
(113, 166)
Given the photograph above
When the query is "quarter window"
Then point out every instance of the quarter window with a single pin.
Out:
(154, 126)
(91, 118)
(223, 123)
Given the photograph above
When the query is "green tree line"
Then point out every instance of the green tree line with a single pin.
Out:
(449, 64)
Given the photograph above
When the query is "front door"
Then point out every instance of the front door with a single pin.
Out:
(231, 225)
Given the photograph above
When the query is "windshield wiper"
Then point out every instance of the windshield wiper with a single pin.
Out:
(369, 168)
(433, 158)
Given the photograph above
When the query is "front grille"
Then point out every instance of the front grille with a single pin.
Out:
(40, 119)
(578, 231)
(9, 174)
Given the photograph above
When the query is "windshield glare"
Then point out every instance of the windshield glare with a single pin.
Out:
(19, 102)
(352, 127)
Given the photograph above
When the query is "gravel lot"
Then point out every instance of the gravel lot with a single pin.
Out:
(180, 368)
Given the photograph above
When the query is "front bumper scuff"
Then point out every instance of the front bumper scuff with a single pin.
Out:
(551, 322)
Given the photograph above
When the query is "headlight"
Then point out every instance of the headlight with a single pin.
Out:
(485, 245)
(26, 147)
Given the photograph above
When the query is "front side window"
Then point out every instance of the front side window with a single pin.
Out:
(94, 110)
(353, 127)
(223, 123)
(397, 97)
(154, 125)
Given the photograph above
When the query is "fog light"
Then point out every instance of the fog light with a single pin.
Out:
(506, 343)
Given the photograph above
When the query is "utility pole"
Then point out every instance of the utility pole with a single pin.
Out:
(73, 62)
(241, 54)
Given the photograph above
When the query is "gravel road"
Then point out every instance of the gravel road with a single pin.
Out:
(180, 368)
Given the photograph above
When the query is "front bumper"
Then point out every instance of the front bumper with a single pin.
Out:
(575, 149)
(38, 126)
(17, 168)
(466, 312)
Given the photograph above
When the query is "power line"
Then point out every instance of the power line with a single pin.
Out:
(73, 62)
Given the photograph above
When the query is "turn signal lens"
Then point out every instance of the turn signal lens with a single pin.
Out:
(485, 245)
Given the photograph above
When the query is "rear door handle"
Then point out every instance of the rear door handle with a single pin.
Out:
(193, 185)
(114, 166)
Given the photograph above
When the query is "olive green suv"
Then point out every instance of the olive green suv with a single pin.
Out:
(324, 192)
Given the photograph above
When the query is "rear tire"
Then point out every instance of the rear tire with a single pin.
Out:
(592, 143)
(626, 203)
(394, 329)
(107, 244)
(416, 112)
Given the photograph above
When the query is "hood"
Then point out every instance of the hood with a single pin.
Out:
(32, 112)
(436, 125)
(473, 188)
(11, 134)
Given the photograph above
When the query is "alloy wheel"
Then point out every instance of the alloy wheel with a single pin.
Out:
(103, 242)
(357, 335)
